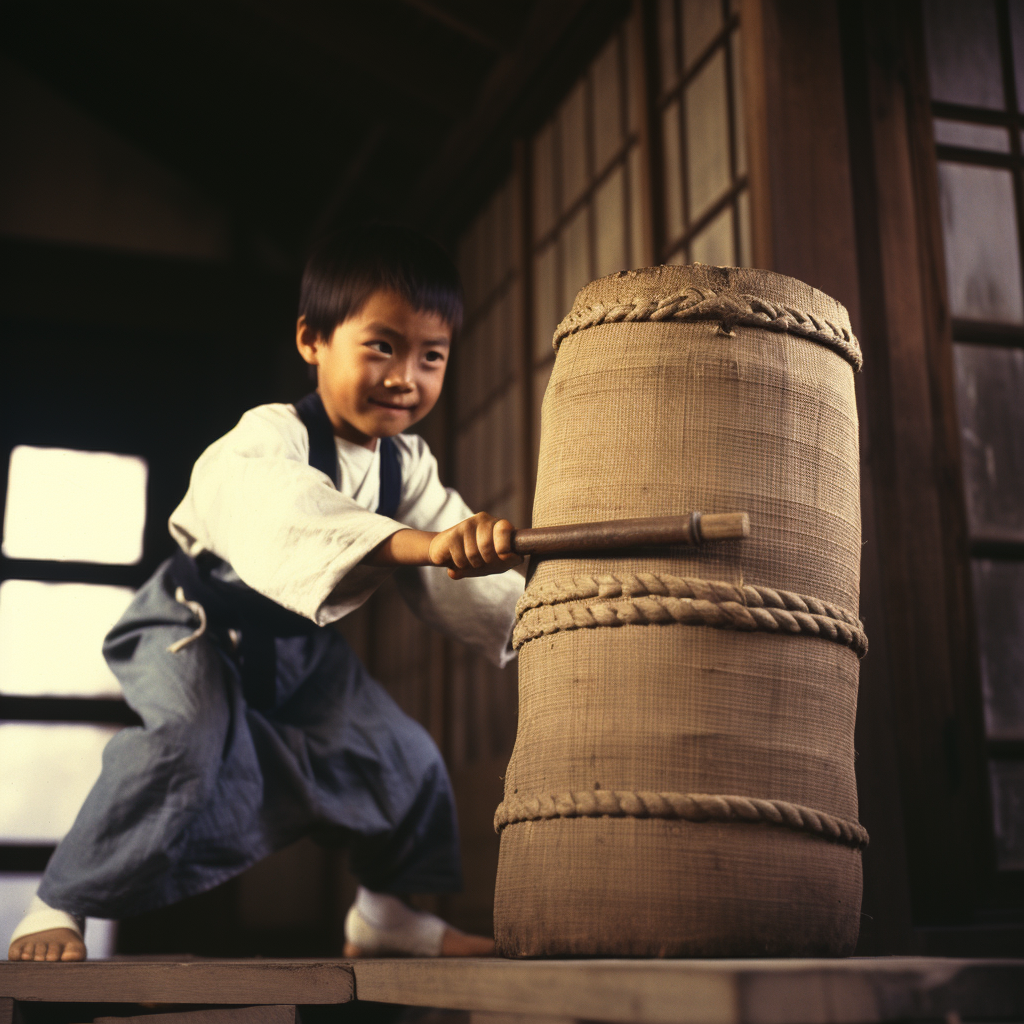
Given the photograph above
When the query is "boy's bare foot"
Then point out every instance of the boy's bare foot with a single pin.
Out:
(453, 943)
(456, 943)
(52, 945)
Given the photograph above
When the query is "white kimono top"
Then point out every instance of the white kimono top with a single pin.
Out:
(255, 502)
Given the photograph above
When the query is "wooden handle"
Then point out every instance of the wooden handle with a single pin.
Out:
(695, 528)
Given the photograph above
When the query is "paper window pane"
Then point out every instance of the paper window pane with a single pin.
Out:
(702, 21)
(610, 211)
(638, 256)
(576, 256)
(963, 52)
(502, 440)
(673, 172)
(508, 310)
(504, 233)
(511, 426)
(486, 257)
(65, 505)
(980, 233)
(468, 358)
(746, 257)
(481, 382)
(631, 48)
(16, 892)
(707, 136)
(460, 362)
(46, 771)
(739, 110)
(573, 145)
(667, 56)
(1007, 779)
(545, 205)
(714, 245)
(1017, 36)
(465, 467)
(468, 262)
(971, 136)
(484, 470)
(51, 635)
(989, 388)
(495, 352)
(999, 606)
(679, 258)
(607, 79)
(545, 300)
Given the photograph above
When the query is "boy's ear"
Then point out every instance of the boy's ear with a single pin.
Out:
(306, 341)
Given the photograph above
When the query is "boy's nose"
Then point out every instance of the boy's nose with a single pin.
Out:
(399, 376)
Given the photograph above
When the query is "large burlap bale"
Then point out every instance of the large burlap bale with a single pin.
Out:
(682, 781)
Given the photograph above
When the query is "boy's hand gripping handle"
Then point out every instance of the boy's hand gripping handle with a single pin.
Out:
(453, 552)
(579, 538)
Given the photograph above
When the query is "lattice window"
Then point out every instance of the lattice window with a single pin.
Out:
(587, 188)
(73, 522)
(704, 194)
(976, 71)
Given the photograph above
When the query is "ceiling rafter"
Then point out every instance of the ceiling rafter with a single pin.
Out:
(327, 31)
(456, 24)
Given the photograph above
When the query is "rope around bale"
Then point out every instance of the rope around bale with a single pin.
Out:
(586, 602)
(729, 308)
(696, 807)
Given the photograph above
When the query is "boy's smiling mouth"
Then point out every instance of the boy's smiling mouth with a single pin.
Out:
(397, 406)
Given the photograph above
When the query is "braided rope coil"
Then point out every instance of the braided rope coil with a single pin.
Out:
(586, 602)
(695, 807)
(728, 307)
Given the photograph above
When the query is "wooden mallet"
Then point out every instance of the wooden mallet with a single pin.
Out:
(619, 534)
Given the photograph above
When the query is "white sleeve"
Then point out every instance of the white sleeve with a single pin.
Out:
(479, 611)
(255, 502)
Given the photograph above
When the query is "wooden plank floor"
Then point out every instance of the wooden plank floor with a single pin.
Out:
(307, 982)
(854, 991)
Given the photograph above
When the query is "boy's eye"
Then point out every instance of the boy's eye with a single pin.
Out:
(434, 357)
(383, 347)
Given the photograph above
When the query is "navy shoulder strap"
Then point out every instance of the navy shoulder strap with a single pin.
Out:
(390, 478)
(323, 454)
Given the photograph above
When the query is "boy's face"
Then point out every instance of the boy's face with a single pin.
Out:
(381, 370)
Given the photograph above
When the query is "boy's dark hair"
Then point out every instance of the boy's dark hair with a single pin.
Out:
(345, 269)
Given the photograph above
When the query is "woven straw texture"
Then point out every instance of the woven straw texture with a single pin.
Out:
(682, 784)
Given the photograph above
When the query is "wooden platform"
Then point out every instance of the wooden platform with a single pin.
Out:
(853, 991)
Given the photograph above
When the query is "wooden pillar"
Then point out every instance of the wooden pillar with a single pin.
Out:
(911, 463)
(811, 222)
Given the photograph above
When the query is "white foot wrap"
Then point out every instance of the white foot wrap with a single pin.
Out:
(41, 918)
(382, 925)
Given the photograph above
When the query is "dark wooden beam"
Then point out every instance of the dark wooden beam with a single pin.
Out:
(66, 709)
(25, 859)
(450, 20)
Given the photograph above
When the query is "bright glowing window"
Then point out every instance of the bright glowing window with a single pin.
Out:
(50, 638)
(46, 771)
(65, 505)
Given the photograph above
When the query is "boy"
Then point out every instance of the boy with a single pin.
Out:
(259, 723)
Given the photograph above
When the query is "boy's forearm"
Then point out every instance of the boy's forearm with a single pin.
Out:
(405, 547)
